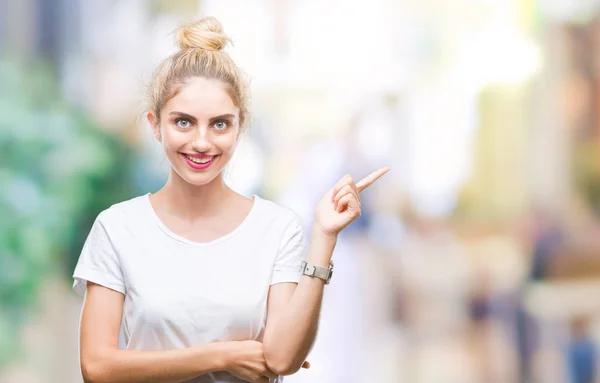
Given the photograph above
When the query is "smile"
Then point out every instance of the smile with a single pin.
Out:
(198, 163)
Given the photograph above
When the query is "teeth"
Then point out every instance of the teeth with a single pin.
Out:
(198, 160)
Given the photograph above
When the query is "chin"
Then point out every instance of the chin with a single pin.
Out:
(200, 180)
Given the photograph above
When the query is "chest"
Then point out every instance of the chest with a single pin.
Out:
(215, 292)
(232, 273)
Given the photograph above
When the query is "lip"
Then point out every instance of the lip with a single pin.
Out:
(196, 166)
(195, 155)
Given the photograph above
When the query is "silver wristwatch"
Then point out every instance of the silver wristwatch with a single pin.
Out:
(323, 273)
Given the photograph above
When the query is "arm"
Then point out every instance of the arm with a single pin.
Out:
(293, 312)
(102, 361)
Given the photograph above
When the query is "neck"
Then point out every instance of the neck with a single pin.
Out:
(192, 201)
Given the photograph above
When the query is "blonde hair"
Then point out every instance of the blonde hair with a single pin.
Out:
(200, 55)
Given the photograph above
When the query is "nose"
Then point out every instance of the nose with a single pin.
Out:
(202, 141)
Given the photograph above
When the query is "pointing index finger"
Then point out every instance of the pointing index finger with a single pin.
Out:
(368, 180)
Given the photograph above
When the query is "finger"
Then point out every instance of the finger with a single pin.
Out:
(345, 180)
(343, 203)
(368, 180)
(354, 196)
(262, 379)
(306, 364)
(348, 202)
(348, 189)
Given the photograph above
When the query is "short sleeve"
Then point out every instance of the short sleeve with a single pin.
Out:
(292, 251)
(98, 262)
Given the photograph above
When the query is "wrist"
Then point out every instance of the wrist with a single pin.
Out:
(321, 247)
(318, 233)
(223, 354)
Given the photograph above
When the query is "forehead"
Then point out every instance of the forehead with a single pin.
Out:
(202, 98)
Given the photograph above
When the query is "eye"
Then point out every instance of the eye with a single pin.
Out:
(183, 123)
(221, 125)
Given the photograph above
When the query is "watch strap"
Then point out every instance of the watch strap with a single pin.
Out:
(323, 273)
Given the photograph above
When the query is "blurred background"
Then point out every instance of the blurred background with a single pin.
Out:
(477, 258)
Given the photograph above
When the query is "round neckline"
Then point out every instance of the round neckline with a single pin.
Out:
(169, 232)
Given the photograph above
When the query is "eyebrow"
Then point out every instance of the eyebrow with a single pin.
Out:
(194, 119)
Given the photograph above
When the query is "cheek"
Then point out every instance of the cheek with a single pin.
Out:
(227, 143)
(171, 140)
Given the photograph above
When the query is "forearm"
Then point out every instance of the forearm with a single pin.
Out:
(293, 335)
(153, 366)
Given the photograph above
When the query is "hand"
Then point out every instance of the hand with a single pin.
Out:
(246, 361)
(341, 204)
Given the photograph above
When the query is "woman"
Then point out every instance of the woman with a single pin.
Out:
(202, 283)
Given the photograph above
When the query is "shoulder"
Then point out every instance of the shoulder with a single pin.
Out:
(276, 212)
(286, 220)
(119, 212)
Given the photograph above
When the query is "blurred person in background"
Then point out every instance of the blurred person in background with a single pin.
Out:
(202, 283)
(546, 236)
(581, 352)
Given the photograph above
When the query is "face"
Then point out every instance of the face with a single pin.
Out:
(198, 130)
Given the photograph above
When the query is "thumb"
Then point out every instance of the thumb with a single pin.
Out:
(306, 364)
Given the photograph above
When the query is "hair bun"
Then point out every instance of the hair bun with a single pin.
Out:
(206, 33)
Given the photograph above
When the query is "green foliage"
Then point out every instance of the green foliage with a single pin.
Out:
(57, 171)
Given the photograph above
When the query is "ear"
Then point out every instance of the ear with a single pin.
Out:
(155, 124)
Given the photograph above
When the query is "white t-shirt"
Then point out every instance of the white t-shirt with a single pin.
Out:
(180, 293)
